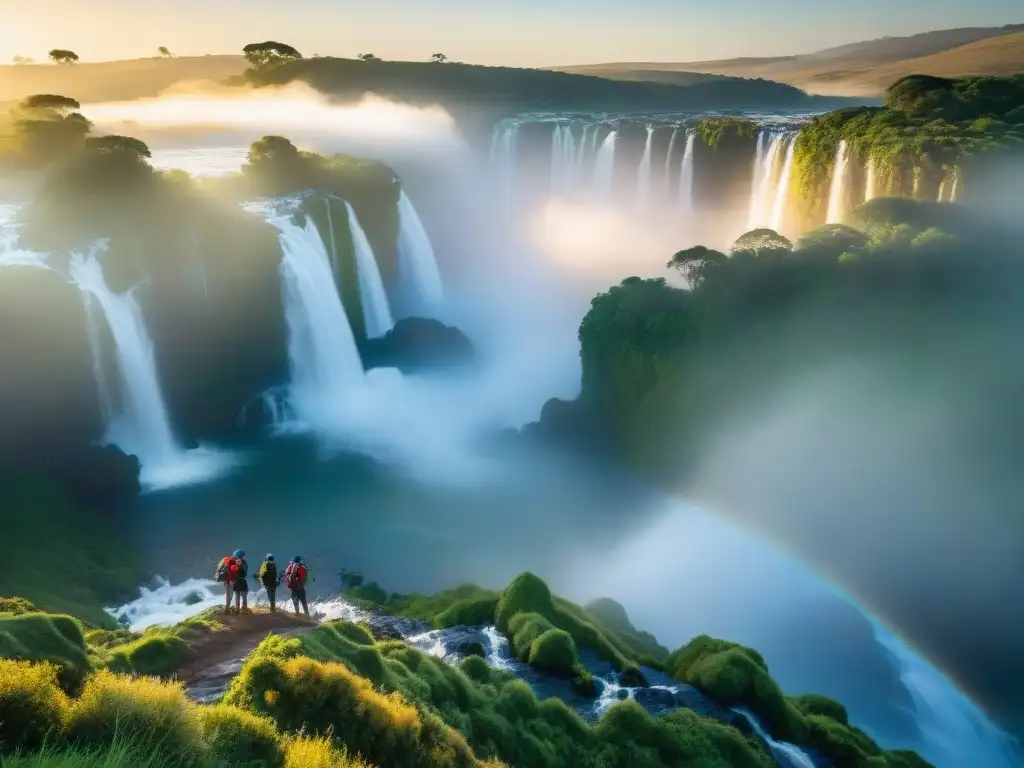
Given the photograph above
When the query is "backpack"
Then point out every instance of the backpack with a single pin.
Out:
(269, 574)
(294, 575)
(224, 569)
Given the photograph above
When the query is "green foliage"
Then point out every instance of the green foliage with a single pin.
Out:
(269, 53)
(16, 606)
(32, 706)
(697, 263)
(713, 130)
(555, 652)
(154, 653)
(470, 599)
(125, 144)
(240, 737)
(63, 56)
(525, 594)
(45, 637)
(816, 704)
(471, 613)
(145, 707)
(829, 242)
(760, 244)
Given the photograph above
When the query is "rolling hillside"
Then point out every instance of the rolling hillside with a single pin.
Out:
(859, 69)
(113, 80)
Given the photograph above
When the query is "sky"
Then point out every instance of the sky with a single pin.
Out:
(511, 32)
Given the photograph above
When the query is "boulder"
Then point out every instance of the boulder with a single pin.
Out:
(418, 344)
(102, 474)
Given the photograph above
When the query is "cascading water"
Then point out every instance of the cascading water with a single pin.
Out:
(686, 175)
(764, 192)
(604, 167)
(563, 159)
(376, 311)
(781, 203)
(668, 160)
(755, 181)
(581, 150)
(322, 353)
(955, 191)
(334, 238)
(837, 194)
(870, 181)
(643, 183)
(417, 265)
(140, 425)
(503, 160)
(787, 755)
(954, 730)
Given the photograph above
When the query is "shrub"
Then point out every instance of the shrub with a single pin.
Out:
(354, 632)
(472, 613)
(816, 704)
(318, 752)
(632, 677)
(151, 654)
(525, 594)
(32, 706)
(554, 652)
(145, 707)
(16, 606)
(732, 674)
(524, 628)
(476, 668)
(45, 637)
(240, 737)
(583, 681)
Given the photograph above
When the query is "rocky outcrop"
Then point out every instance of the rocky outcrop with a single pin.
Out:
(418, 344)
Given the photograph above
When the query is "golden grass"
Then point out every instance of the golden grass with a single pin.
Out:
(318, 752)
(32, 705)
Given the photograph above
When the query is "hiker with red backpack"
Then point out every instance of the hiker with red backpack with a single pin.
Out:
(295, 577)
(233, 571)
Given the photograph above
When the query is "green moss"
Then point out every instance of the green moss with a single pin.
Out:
(476, 668)
(240, 737)
(525, 594)
(523, 629)
(430, 607)
(16, 606)
(151, 654)
(733, 674)
(583, 682)
(816, 704)
(554, 652)
(47, 637)
(713, 130)
(472, 613)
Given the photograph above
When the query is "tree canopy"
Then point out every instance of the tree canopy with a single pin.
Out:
(63, 56)
(165, 52)
(695, 264)
(125, 144)
(762, 244)
(50, 101)
(268, 53)
(438, 58)
(368, 57)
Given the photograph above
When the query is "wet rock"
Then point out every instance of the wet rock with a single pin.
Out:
(472, 649)
(102, 474)
(632, 677)
(418, 344)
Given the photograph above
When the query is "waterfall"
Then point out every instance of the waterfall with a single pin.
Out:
(686, 174)
(604, 167)
(503, 160)
(871, 182)
(942, 191)
(668, 160)
(955, 191)
(582, 149)
(836, 195)
(755, 181)
(763, 194)
(140, 425)
(417, 266)
(376, 312)
(322, 352)
(785, 182)
(334, 238)
(563, 159)
(787, 755)
(643, 182)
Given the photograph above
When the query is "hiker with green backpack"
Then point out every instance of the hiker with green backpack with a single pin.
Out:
(268, 576)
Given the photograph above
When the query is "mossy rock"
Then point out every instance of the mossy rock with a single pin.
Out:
(583, 682)
(47, 637)
(152, 654)
(473, 649)
(554, 652)
(523, 629)
(525, 594)
(733, 674)
(476, 668)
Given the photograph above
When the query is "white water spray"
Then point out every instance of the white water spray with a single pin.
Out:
(686, 175)
(763, 194)
(604, 167)
(668, 160)
(837, 193)
(871, 181)
(376, 311)
(781, 203)
(325, 362)
(417, 265)
(643, 182)
(786, 754)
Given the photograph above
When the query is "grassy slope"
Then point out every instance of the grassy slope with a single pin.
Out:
(114, 80)
(858, 69)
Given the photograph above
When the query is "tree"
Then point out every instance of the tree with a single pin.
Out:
(269, 53)
(762, 244)
(62, 56)
(163, 51)
(368, 57)
(62, 105)
(438, 58)
(697, 263)
(24, 60)
(830, 242)
(119, 144)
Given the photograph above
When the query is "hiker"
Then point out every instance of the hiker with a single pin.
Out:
(267, 575)
(295, 576)
(227, 570)
(240, 585)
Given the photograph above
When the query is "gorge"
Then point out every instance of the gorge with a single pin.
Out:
(224, 326)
